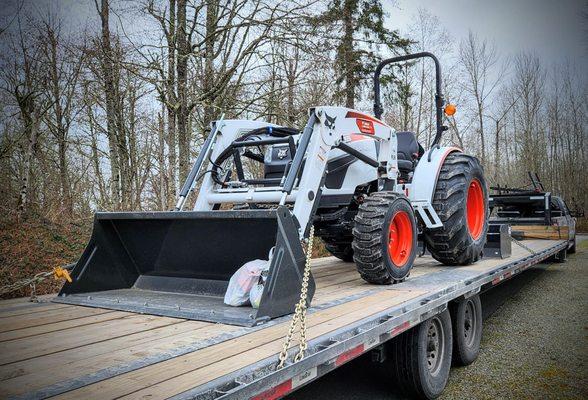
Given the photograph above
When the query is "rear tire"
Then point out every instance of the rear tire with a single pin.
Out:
(420, 358)
(466, 318)
(461, 201)
(342, 251)
(384, 238)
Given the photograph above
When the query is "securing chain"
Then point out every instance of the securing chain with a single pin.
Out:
(524, 246)
(300, 311)
(57, 273)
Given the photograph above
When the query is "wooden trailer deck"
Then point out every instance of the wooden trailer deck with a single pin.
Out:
(66, 351)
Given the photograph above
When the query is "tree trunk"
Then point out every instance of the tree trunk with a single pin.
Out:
(133, 150)
(163, 201)
(497, 153)
(349, 59)
(171, 106)
(481, 127)
(209, 56)
(290, 95)
(122, 144)
(31, 133)
(60, 130)
(110, 93)
(182, 70)
(96, 159)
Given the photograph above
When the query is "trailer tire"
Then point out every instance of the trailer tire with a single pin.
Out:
(572, 249)
(384, 238)
(343, 251)
(414, 369)
(561, 256)
(466, 319)
(461, 201)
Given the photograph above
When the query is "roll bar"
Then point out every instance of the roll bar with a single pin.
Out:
(439, 100)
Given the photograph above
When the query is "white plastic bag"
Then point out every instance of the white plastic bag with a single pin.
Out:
(242, 281)
(255, 294)
(257, 290)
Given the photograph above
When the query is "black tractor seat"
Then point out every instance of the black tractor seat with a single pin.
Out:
(409, 150)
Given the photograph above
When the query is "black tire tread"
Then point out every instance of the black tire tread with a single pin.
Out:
(404, 351)
(572, 249)
(462, 356)
(367, 251)
(452, 244)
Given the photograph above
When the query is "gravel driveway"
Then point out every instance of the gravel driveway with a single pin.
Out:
(535, 343)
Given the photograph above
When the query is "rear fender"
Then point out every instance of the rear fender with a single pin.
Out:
(426, 173)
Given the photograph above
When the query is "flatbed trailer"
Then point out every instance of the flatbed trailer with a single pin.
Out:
(66, 351)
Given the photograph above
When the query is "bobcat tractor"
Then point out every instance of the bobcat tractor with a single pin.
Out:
(367, 190)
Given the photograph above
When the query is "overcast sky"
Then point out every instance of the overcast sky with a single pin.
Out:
(553, 29)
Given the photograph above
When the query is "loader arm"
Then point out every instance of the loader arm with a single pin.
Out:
(333, 128)
(327, 128)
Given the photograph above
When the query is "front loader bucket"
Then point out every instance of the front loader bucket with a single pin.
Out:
(179, 264)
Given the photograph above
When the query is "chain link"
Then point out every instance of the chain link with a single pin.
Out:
(57, 273)
(524, 246)
(32, 282)
(299, 312)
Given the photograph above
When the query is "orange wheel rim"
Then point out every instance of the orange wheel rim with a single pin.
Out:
(400, 238)
(475, 209)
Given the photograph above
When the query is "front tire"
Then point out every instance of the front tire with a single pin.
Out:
(384, 238)
(461, 201)
(420, 358)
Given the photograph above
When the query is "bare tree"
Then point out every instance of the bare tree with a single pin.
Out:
(23, 79)
(110, 91)
(114, 119)
(479, 59)
(64, 65)
(528, 86)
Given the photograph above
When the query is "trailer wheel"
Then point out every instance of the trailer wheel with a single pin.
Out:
(466, 319)
(384, 238)
(461, 201)
(572, 249)
(342, 251)
(420, 359)
(561, 256)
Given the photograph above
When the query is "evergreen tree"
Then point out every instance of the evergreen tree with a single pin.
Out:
(363, 36)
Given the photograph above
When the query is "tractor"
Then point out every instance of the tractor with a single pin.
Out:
(366, 189)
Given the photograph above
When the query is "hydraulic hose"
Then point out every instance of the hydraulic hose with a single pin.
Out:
(228, 152)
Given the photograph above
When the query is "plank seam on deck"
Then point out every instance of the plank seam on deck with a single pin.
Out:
(65, 328)
(42, 307)
(106, 311)
(93, 342)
